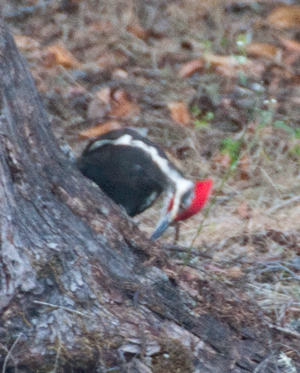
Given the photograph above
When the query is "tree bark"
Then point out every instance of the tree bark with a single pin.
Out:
(81, 288)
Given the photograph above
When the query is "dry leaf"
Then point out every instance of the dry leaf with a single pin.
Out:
(25, 43)
(105, 60)
(188, 288)
(102, 25)
(252, 126)
(104, 95)
(137, 31)
(120, 74)
(117, 104)
(291, 45)
(233, 65)
(179, 113)
(244, 166)
(125, 109)
(108, 59)
(295, 100)
(100, 129)
(244, 210)
(122, 107)
(59, 55)
(286, 16)
(214, 269)
(190, 67)
(217, 60)
(76, 90)
(263, 50)
(120, 96)
(221, 159)
(170, 273)
(189, 274)
(99, 107)
(235, 272)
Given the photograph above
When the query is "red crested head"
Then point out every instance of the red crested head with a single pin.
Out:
(201, 194)
(189, 204)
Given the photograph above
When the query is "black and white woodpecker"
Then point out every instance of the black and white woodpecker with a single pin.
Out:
(133, 171)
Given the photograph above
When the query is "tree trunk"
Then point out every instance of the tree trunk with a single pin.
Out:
(81, 288)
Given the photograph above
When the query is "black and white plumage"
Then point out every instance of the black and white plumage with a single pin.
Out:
(133, 171)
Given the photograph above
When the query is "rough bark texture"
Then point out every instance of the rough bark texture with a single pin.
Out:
(81, 288)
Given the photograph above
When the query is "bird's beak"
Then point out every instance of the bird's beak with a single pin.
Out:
(162, 226)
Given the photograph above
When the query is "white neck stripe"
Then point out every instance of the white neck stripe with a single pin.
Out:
(161, 162)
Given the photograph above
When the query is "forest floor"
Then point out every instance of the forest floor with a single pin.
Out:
(217, 84)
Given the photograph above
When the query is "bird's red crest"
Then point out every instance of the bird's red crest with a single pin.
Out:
(201, 194)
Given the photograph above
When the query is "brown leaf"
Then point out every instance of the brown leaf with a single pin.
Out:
(291, 58)
(59, 55)
(263, 50)
(99, 107)
(104, 95)
(291, 45)
(214, 269)
(286, 16)
(102, 25)
(217, 60)
(122, 107)
(120, 96)
(100, 129)
(120, 74)
(138, 31)
(235, 272)
(232, 66)
(179, 113)
(252, 126)
(189, 274)
(244, 166)
(108, 59)
(190, 67)
(188, 288)
(221, 159)
(25, 43)
(171, 273)
(117, 104)
(244, 210)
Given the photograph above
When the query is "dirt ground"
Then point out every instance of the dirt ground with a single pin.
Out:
(217, 84)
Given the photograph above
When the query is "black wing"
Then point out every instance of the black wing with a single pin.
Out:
(126, 174)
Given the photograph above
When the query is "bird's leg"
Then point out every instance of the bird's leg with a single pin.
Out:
(177, 232)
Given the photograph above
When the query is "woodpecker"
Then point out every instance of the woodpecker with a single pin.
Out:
(133, 171)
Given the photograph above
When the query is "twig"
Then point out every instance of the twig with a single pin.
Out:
(62, 307)
(290, 348)
(183, 249)
(57, 355)
(276, 267)
(261, 365)
(9, 353)
(26, 11)
(285, 203)
(12, 358)
(271, 182)
(284, 330)
(21, 13)
(182, 263)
